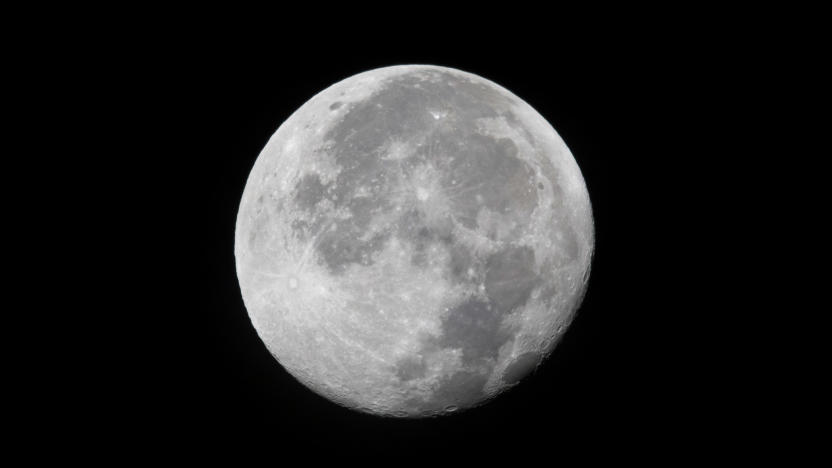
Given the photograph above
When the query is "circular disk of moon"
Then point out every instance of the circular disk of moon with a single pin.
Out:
(413, 241)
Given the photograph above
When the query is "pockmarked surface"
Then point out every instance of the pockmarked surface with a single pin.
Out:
(413, 241)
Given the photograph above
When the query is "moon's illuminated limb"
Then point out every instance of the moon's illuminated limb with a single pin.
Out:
(413, 240)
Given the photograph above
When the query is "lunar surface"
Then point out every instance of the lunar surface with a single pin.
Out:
(413, 241)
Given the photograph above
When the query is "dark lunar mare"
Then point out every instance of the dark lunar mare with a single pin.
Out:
(309, 191)
(476, 327)
(522, 366)
(399, 109)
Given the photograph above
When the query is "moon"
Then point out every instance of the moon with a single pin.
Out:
(413, 241)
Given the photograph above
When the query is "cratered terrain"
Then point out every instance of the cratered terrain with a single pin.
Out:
(413, 241)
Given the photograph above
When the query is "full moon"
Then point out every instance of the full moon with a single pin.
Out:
(413, 241)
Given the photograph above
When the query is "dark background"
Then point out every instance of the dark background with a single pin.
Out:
(133, 130)
(634, 372)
